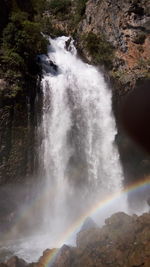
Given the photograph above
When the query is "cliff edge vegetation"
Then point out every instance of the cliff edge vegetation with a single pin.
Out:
(21, 42)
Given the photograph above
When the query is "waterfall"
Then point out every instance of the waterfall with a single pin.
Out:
(79, 158)
(79, 162)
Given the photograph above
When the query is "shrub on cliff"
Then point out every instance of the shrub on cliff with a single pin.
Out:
(49, 28)
(39, 6)
(59, 6)
(81, 6)
(101, 51)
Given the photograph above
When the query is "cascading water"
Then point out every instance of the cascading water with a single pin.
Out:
(80, 161)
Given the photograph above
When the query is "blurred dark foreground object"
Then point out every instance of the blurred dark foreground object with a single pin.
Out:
(135, 114)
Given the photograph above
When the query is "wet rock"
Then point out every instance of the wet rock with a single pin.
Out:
(118, 220)
(124, 241)
(55, 257)
(64, 257)
(16, 262)
(47, 257)
(68, 44)
(53, 65)
(88, 223)
(126, 238)
(5, 253)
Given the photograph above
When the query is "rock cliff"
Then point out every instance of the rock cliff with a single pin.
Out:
(126, 25)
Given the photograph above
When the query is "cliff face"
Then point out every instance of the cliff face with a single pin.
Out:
(126, 25)
(18, 155)
(16, 139)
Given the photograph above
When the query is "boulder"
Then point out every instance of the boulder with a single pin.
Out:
(88, 224)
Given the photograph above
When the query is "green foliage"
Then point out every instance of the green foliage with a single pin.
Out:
(21, 42)
(49, 29)
(140, 38)
(144, 66)
(13, 60)
(35, 42)
(101, 51)
(15, 90)
(80, 8)
(39, 5)
(117, 74)
(59, 6)
(18, 17)
(24, 38)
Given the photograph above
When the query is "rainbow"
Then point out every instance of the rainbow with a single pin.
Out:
(95, 209)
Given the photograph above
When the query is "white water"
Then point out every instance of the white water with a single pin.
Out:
(80, 161)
